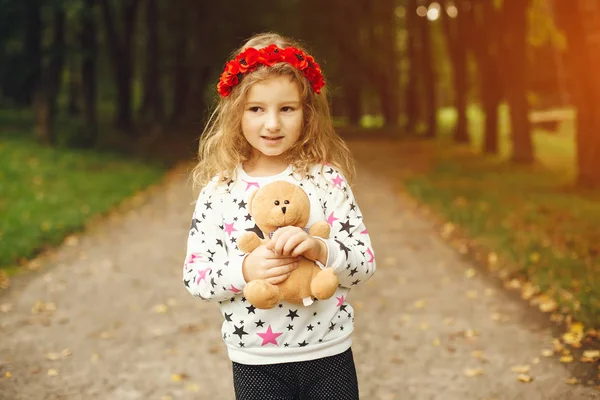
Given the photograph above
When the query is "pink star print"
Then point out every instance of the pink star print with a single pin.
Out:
(193, 257)
(269, 336)
(364, 232)
(202, 275)
(234, 289)
(250, 184)
(229, 228)
(340, 300)
(371, 254)
(338, 181)
(331, 219)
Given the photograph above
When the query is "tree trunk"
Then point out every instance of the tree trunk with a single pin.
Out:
(74, 88)
(120, 50)
(481, 20)
(456, 38)
(583, 63)
(516, 78)
(429, 78)
(411, 95)
(88, 74)
(33, 50)
(181, 70)
(152, 104)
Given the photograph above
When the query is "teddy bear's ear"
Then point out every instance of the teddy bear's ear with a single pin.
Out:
(250, 199)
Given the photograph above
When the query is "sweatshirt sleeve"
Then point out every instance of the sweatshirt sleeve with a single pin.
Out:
(350, 253)
(210, 271)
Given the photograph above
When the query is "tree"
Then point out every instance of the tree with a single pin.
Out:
(152, 104)
(89, 46)
(584, 62)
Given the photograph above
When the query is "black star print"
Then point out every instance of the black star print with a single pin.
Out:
(343, 307)
(330, 171)
(241, 204)
(259, 323)
(352, 207)
(356, 282)
(208, 205)
(292, 314)
(219, 274)
(286, 345)
(219, 242)
(232, 299)
(241, 344)
(341, 328)
(232, 240)
(212, 282)
(310, 327)
(239, 331)
(251, 309)
(228, 317)
(256, 230)
(248, 217)
(346, 226)
(243, 299)
(344, 248)
(280, 306)
(304, 343)
(290, 327)
(353, 271)
(331, 326)
(194, 224)
(186, 283)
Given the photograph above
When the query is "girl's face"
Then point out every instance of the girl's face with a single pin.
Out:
(272, 119)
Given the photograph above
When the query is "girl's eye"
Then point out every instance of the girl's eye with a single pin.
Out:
(254, 109)
(286, 202)
(287, 109)
(276, 202)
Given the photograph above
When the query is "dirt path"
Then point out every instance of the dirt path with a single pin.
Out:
(109, 318)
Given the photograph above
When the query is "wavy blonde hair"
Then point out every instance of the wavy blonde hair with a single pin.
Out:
(223, 146)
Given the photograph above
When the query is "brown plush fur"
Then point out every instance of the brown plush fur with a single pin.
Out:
(273, 206)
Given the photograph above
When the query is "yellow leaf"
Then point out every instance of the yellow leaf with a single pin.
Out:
(52, 372)
(424, 326)
(521, 369)
(7, 374)
(4, 280)
(572, 381)
(470, 273)
(471, 294)
(192, 387)
(528, 291)
(437, 342)
(566, 359)
(546, 304)
(66, 353)
(419, 304)
(478, 354)
(492, 258)
(591, 353)
(179, 377)
(161, 308)
(524, 378)
(72, 240)
(536, 360)
(547, 353)
(534, 257)
(471, 372)
(52, 356)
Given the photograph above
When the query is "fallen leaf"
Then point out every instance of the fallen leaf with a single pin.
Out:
(192, 387)
(470, 273)
(52, 356)
(72, 240)
(489, 292)
(66, 353)
(492, 258)
(590, 356)
(419, 304)
(95, 357)
(6, 307)
(4, 280)
(478, 354)
(566, 359)
(546, 304)
(179, 377)
(524, 378)
(52, 372)
(534, 257)
(536, 360)
(471, 372)
(437, 342)
(575, 335)
(521, 369)
(528, 291)
(35, 369)
(7, 374)
(572, 381)
(424, 326)
(471, 294)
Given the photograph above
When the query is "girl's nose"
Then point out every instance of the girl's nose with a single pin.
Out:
(273, 123)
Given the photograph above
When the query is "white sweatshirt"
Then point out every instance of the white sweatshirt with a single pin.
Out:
(288, 332)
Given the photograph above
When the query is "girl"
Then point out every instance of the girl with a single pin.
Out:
(273, 123)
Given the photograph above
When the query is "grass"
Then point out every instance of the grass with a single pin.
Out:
(47, 193)
(541, 227)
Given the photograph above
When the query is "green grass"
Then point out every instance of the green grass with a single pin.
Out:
(539, 224)
(47, 193)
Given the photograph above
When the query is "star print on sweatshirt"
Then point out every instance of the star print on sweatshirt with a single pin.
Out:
(288, 332)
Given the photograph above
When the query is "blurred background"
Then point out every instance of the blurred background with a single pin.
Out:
(499, 98)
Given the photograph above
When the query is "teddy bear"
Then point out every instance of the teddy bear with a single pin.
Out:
(273, 206)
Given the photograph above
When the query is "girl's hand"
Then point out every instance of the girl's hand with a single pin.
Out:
(263, 263)
(294, 241)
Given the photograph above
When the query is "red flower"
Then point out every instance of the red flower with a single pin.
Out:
(250, 58)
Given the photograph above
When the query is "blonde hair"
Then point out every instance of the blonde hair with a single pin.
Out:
(223, 146)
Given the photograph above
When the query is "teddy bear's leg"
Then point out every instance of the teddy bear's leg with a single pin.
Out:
(262, 294)
(324, 284)
(320, 229)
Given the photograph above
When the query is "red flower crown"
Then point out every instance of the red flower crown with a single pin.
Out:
(251, 58)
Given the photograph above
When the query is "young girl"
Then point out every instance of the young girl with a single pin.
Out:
(273, 123)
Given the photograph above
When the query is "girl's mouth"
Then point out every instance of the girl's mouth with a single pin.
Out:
(272, 138)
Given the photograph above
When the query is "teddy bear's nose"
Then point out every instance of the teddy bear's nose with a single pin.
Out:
(283, 209)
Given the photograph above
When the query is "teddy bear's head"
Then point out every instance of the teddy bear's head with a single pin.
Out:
(279, 204)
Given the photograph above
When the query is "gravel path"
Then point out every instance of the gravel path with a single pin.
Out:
(108, 316)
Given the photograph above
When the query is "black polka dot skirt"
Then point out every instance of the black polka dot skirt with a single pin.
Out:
(323, 379)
